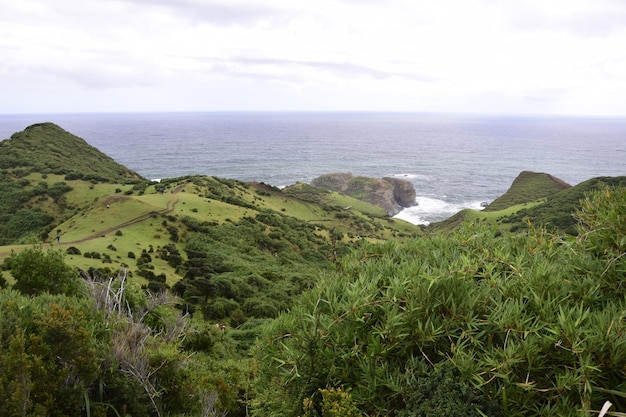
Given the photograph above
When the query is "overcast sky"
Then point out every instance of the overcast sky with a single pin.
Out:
(486, 56)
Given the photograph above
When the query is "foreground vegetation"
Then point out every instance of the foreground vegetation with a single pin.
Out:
(470, 324)
(204, 296)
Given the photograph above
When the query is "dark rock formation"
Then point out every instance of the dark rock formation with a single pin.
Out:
(392, 194)
(403, 191)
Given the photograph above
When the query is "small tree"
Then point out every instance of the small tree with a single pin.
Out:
(36, 272)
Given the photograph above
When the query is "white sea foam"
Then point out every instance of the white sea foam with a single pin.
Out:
(410, 177)
(429, 209)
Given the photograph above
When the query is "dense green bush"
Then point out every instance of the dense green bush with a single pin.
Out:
(442, 392)
(37, 272)
(73, 250)
(118, 352)
(531, 324)
(22, 223)
(48, 358)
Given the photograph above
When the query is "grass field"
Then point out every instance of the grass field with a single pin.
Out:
(112, 221)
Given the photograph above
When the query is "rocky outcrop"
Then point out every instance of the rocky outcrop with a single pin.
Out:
(403, 191)
(392, 194)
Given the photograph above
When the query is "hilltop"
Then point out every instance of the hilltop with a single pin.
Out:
(528, 186)
(48, 149)
(555, 211)
(534, 198)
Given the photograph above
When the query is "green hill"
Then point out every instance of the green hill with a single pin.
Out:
(528, 186)
(52, 180)
(38, 168)
(48, 149)
(528, 189)
(558, 209)
(535, 198)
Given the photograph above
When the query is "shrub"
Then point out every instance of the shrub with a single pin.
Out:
(73, 250)
(36, 272)
(199, 341)
(73, 176)
(57, 189)
(156, 287)
(441, 392)
(219, 309)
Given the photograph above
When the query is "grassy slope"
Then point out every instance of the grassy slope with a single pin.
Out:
(555, 211)
(37, 168)
(101, 217)
(528, 189)
(47, 148)
(528, 186)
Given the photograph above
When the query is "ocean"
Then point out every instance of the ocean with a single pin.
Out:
(453, 161)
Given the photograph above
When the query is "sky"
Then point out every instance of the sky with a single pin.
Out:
(452, 56)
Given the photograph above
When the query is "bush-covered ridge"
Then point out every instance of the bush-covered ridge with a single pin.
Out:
(47, 148)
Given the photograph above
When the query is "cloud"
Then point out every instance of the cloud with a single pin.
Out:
(455, 54)
(600, 18)
(277, 69)
(219, 13)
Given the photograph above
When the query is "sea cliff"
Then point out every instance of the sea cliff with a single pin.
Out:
(392, 194)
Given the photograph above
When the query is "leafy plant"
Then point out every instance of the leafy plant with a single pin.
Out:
(531, 323)
(37, 271)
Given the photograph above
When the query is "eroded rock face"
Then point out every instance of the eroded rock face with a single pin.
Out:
(392, 194)
(403, 191)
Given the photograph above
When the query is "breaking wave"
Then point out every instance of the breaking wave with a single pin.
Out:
(429, 209)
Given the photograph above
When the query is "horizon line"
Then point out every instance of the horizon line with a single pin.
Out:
(407, 112)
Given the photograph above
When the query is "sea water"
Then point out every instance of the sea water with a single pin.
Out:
(453, 161)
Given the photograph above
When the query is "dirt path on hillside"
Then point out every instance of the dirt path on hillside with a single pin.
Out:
(169, 207)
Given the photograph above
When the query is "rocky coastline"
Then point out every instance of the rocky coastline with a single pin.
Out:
(392, 194)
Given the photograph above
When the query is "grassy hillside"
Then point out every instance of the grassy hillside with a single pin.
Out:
(109, 219)
(47, 148)
(528, 186)
(556, 212)
(97, 216)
